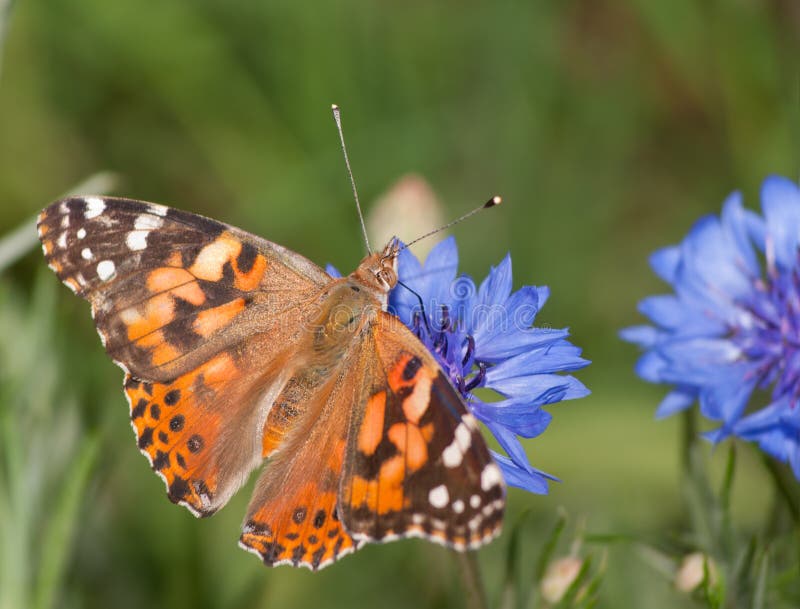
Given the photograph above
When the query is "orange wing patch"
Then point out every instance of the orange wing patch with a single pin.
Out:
(209, 321)
(175, 427)
(371, 432)
(395, 448)
(248, 267)
(311, 537)
(172, 289)
(300, 525)
(410, 375)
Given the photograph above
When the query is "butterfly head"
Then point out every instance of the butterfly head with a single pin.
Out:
(379, 270)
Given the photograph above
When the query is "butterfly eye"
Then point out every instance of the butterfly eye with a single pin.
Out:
(387, 276)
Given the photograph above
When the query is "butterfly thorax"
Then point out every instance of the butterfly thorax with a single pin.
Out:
(351, 304)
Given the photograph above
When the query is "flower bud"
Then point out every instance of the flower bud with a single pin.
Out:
(559, 577)
(691, 572)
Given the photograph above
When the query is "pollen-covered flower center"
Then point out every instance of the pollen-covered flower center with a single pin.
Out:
(453, 348)
(769, 335)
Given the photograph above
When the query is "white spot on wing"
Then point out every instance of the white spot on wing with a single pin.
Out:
(474, 501)
(137, 239)
(158, 210)
(455, 451)
(438, 497)
(147, 222)
(490, 476)
(470, 421)
(65, 222)
(463, 436)
(452, 455)
(106, 268)
(81, 233)
(86, 253)
(62, 240)
(94, 207)
(458, 506)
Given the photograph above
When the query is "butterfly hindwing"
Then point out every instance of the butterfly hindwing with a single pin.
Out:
(202, 432)
(293, 517)
(417, 464)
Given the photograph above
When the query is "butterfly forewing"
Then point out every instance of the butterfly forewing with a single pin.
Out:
(417, 464)
(169, 288)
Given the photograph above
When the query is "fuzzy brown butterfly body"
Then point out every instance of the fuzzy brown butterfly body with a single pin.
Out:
(237, 350)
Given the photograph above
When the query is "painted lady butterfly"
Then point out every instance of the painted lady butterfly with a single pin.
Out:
(237, 350)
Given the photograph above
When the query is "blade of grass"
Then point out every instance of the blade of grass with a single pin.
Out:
(713, 586)
(14, 565)
(550, 547)
(784, 487)
(60, 528)
(725, 532)
(470, 571)
(511, 596)
(760, 592)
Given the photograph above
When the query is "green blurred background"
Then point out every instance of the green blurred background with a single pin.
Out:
(607, 126)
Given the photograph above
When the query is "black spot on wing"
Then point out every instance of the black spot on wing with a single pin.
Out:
(138, 410)
(299, 515)
(246, 257)
(411, 368)
(178, 489)
(177, 422)
(195, 444)
(316, 557)
(146, 439)
(161, 460)
(271, 552)
(298, 553)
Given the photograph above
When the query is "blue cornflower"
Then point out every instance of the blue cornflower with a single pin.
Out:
(484, 339)
(733, 324)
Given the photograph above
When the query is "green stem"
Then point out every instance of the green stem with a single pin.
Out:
(688, 438)
(470, 571)
(784, 487)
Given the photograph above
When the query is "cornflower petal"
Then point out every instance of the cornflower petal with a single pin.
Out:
(733, 324)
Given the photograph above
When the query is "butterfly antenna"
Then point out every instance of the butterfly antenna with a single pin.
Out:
(495, 200)
(338, 118)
